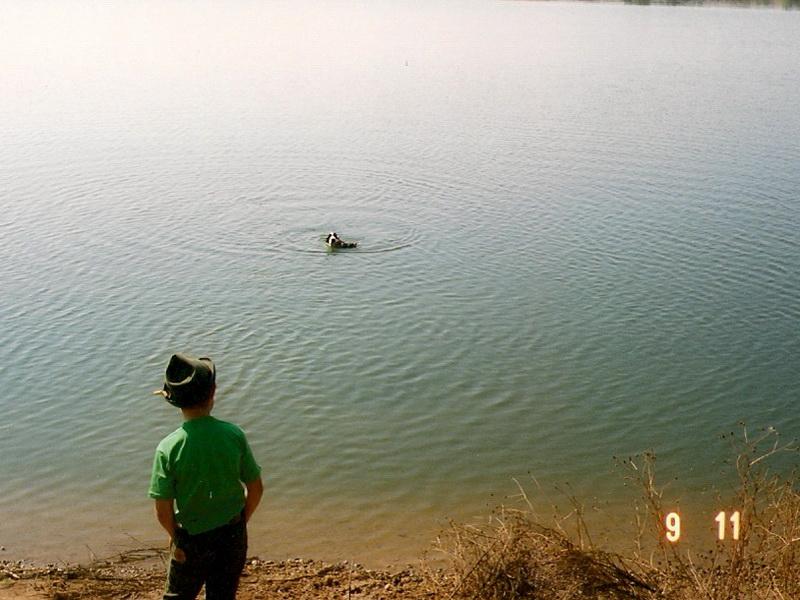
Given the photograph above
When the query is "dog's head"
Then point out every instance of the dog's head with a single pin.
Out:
(333, 238)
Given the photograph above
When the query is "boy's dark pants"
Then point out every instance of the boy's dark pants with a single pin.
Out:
(215, 558)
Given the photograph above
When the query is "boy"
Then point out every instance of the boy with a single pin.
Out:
(200, 473)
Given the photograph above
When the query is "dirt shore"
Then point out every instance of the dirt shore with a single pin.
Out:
(124, 579)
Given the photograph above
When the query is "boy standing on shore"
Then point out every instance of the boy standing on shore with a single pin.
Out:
(200, 474)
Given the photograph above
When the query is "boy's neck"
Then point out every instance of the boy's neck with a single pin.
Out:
(195, 412)
(200, 410)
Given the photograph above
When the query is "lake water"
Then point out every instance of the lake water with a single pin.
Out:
(579, 231)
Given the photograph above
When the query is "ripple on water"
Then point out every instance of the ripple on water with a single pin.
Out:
(302, 229)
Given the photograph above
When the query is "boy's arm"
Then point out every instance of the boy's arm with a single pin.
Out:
(255, 489)
(166, 516)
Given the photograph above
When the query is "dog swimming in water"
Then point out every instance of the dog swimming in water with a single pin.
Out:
(334, 241)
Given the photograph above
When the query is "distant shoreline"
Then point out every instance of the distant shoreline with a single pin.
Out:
(774, 4)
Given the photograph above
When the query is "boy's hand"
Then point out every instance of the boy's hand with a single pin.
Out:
(178, 555)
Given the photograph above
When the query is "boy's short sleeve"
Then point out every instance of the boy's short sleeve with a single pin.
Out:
(250, 471)
(162, 486)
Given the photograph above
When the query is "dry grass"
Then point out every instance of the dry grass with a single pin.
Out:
(513, 556)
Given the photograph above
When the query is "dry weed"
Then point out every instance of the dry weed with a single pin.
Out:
(514, 556)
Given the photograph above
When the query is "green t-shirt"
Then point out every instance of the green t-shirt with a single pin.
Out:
(202, 466)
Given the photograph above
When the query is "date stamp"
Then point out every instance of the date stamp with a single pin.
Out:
(728, 526)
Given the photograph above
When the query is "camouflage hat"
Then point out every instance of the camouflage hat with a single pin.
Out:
(188, 380)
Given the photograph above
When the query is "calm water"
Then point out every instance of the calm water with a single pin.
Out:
(579, 235)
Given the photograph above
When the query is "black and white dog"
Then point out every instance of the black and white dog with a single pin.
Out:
(334, 241)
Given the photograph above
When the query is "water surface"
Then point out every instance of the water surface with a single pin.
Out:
(578, 231)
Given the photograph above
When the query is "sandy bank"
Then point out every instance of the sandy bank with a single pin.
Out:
(120, 579)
